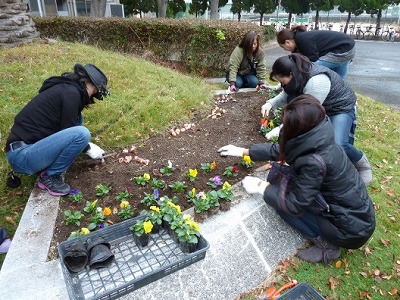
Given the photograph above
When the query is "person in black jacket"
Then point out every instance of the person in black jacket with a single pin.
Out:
(47, 134)
(307, 145)
(331, 49)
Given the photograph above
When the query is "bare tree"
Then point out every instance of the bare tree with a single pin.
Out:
(98, 8)
(16, 25)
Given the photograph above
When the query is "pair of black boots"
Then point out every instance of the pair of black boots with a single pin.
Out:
(96, 252)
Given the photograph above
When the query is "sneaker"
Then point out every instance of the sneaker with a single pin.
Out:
(54, 184)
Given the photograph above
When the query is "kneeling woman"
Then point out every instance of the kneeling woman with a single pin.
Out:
(321, 167)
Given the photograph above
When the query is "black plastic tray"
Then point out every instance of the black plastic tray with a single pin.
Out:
(132, 268)
(302, 291)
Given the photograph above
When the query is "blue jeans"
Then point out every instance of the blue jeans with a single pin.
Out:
(340, 68)
(55, 153)
(246, 81)
(306, 223)
(344, 126)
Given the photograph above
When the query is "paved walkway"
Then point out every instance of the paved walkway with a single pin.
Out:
(246, 244)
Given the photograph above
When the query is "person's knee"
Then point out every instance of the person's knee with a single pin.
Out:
(83, 134)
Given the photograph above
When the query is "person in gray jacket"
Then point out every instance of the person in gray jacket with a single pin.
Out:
(298, 75)
(247, 66)
(308, 145)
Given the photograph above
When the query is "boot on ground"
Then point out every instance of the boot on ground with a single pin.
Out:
(322, 252)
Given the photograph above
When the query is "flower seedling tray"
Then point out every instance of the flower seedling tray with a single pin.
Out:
(132, 267)
(302, 291)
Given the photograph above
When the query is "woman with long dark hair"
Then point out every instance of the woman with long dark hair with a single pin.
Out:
(331, 49)
(320, 168)
(247, 67)
(298, 75)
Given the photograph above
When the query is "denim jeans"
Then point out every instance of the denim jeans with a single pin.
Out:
(340, 68)
(55, 153)
(246, 81)
(344, 126)
(306, 223)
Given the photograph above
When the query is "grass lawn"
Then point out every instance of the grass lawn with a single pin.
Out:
(145, 98)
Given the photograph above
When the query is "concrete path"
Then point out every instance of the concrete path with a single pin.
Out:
(246, 244)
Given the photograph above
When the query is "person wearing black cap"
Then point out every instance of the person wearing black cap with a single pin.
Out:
(47, 134)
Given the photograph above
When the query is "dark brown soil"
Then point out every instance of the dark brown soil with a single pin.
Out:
(238, 125)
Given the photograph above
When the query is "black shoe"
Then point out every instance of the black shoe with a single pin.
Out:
(54, 184)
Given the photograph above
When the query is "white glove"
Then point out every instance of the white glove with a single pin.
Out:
(254, 185)
(231, 150)
(273, 133)
(265, 109)
(95, 151)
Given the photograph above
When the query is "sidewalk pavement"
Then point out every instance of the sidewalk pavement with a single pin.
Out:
(246, 244)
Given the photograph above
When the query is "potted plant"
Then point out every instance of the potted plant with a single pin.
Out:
(212, 199)
(188, 233)
(226, 196)
(201, 207)
(169, 210)
(153, 215)
(141, 232)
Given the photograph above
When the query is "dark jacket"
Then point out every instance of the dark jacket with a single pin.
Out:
(350, 221)
(317, 43)
(57, 106)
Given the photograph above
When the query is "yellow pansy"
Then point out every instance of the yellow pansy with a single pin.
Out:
(271, 124)
(193, 191)
(84, 230)
(155, 208)
(226, 185)
(106, 211)
(193, 173)
(247, 159)
(124, 204)
(193, 224)
(93, 204)
(147, 226)
(146, 176)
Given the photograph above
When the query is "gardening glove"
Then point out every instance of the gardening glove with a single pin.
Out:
(233, 88)
(231, 150)
(265, 109)
(263, 86)
(95, 151)
(254, 185)
(273, 133)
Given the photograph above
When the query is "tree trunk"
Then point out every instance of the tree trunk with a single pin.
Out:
(261, 18)
(378, 21)
(214, 15)
(347, 22)
(98, 8)
(289, 20)
(161, 8)
(316, 27)
(239, 16)
(16, 25)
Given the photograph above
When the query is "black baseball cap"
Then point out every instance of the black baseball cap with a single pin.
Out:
(98, 78)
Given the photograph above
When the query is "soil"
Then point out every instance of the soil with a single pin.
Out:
(238, 123)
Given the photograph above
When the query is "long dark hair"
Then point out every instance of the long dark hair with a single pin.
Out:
(289, 34)
(298, 117)
(295, 64)
(247, 43)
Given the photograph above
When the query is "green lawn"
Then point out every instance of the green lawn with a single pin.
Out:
(146, 98)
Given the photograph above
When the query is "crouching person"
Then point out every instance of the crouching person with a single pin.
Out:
(320, 170)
